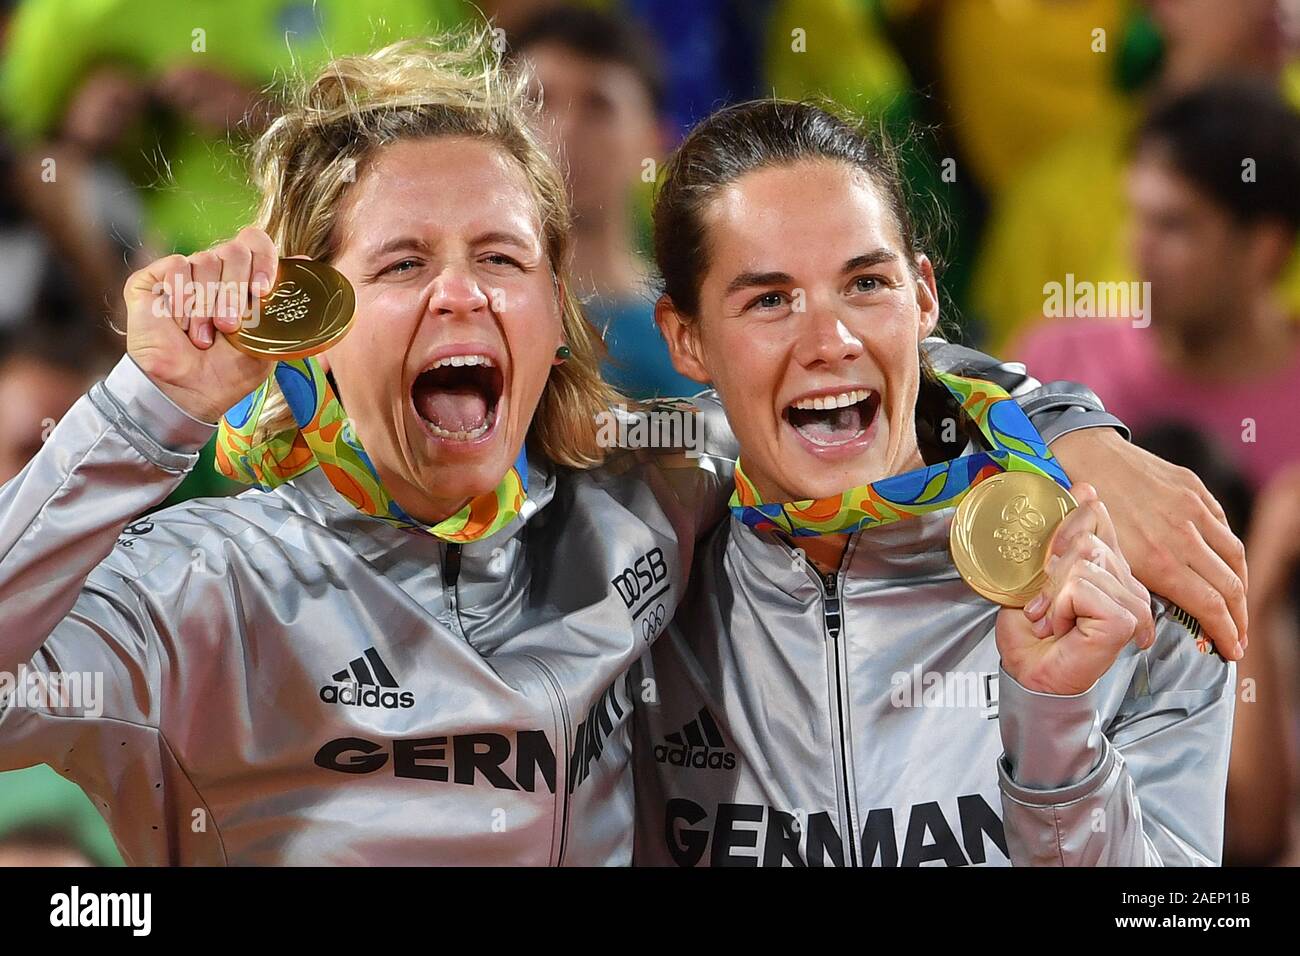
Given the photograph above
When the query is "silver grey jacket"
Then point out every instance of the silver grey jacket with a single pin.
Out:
(862, 718)
(289, 681)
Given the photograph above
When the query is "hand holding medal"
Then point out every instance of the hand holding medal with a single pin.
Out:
(265, 308)
(1088, 605)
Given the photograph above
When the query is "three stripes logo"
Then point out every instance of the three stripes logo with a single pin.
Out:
(367, 682)
(698, 745)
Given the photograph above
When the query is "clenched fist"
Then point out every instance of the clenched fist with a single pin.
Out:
(178, 305)
(1091, 607)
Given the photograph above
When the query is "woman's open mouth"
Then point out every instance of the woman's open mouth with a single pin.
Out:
(458, 396)
(834, 420)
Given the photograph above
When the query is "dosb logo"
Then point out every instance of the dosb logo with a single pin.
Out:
(640, 586)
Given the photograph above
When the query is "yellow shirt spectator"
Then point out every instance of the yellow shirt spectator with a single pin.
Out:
(1067, 214)
(1017, 75)
(833, 48)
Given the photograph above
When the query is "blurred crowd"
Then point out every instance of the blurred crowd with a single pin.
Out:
(1111, 188)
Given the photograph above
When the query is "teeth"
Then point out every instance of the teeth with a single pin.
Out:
(817, 440)
(827, 402)
(458, 436)
(456, 361)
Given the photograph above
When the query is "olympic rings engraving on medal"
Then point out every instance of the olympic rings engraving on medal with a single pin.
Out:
(1017, 546)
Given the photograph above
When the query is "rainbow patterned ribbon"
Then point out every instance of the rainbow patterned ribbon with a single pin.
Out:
(325, 439)
(1016, 446)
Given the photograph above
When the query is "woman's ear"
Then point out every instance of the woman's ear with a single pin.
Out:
(683, 345)
(927, 297)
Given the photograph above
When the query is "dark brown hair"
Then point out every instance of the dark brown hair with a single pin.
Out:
(1208, 133)
(740, 139)
(601, 37)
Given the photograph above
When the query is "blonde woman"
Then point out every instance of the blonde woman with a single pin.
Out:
(380, 655)
(408, 644)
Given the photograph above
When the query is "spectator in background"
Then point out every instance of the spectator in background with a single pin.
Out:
(1012, 78)
(55, 259)
(1064, 213)
(171, 91)
(40, 378)
(602, 100)
(67, 228)
(1262, 791)
(1212, 237)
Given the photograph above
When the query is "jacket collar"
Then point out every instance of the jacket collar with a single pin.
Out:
(312, 495)
(914, 549)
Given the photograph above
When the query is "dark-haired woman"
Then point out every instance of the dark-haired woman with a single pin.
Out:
(831, 691)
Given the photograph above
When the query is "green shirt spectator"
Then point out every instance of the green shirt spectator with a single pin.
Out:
(173, 63)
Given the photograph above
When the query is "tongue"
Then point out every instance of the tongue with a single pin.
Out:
(831, 426)
(454, 409)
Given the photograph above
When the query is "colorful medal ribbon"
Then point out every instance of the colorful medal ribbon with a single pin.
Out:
(325, 439)
(1015, 446)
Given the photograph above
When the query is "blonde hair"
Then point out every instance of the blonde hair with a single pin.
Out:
(454, 85)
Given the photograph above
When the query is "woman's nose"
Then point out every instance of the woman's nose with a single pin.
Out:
(457, 292)
(828, 341)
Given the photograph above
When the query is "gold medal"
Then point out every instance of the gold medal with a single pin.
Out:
(309, 309)
(1000, 533)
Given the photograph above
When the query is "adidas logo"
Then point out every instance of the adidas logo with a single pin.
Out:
(698, 745)
(367, 682)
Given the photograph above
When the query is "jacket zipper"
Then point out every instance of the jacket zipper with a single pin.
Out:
(450, 575)
(833, 621)
(562, 755)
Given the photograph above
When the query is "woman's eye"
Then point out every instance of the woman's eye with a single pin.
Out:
(866, 284)
(770, 300)
(500, 259)
(406, 265)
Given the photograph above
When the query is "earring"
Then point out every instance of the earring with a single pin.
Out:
(563, 353)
